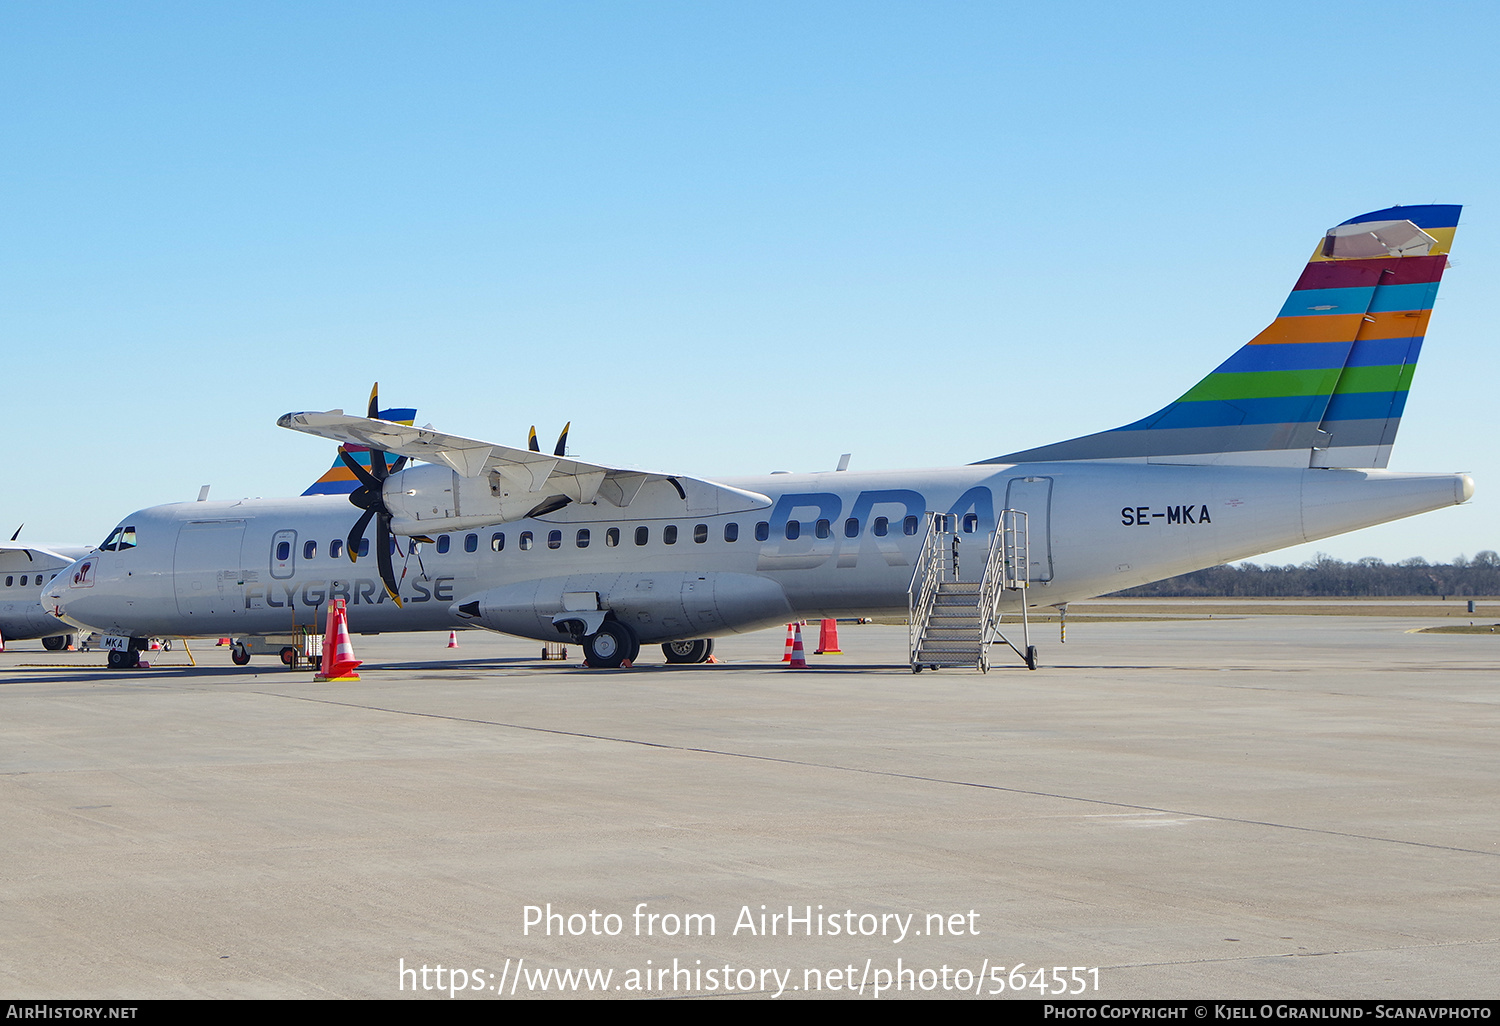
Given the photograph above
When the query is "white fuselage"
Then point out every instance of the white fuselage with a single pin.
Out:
(263, 566)
(23, 572)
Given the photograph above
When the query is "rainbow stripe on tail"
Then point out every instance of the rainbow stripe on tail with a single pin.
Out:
(339, 479)
(1325, 384)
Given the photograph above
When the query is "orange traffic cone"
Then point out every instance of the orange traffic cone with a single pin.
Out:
(155, 645)
(828, 639)
(453, 639)
(799, 660)
(2, 643)
(222, 642)
(338, 653)
(786, 656)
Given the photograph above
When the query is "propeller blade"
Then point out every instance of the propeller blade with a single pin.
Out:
(357, 535)
(531, 440)
(374, 413)
(365, 477)
(18, 530)
(377, 464)
(383, 557)
(562, 441)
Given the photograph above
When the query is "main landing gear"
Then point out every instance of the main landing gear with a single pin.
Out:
(615, 643)
(695, 651)
(612, 645)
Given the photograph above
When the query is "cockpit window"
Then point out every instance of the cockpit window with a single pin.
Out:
(120, 539)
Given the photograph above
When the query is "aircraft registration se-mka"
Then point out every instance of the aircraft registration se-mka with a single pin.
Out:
(1285, 442)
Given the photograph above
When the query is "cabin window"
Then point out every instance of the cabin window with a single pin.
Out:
(364, 546)
(525, 542)
(642, 535)
(793, 529)
(554, 539)
(669, 534)
(612, 537)
(909, 525)
(851, 528)
(283, 551)
(309, 550)
(882, 527)
(497, 541)
(443, 543)
(335, 547)
(9, 581)
(823, 529)
(731, 532)
(582, 539)
(700, 534)
(971, 523)
(762, 531)
(471, 543)
(23, 580)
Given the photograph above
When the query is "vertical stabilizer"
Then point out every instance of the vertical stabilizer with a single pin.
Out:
(1325, 384)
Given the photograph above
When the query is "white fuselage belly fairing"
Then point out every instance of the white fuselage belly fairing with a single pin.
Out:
(206, 569)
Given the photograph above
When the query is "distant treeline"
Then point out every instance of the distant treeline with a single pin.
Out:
(1325, 576)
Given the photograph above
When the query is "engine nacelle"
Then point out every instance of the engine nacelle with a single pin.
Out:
(430, 499)
(659, 607)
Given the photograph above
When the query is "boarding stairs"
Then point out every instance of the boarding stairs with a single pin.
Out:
(954, 617)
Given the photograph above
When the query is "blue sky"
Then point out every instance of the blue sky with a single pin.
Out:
(720, 238)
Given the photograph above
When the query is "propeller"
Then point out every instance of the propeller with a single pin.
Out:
(560, 449)
(368, 497)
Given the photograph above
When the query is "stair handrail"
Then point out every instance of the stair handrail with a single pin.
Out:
(929, 572)
(1007, 569)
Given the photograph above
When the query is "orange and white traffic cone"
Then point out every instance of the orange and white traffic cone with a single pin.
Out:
(2, 643)
(786, 656)
(338, 652)
(799, 660)
(221, 643)
(453, 639)
(828, 639)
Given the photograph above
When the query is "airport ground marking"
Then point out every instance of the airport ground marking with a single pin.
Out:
(557, 732)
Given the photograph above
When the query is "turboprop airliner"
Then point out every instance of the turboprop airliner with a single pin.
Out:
(1285, 442)
(23, 570)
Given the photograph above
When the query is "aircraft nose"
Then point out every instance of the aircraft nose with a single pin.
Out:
(63, 592)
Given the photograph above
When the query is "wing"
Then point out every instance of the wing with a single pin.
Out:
(521, 482)
(18, 557)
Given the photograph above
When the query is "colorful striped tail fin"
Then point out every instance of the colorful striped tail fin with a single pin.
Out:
(1325, 384)
(339, 479)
